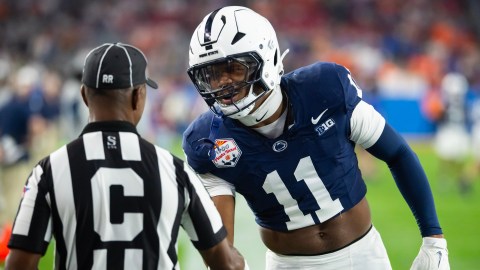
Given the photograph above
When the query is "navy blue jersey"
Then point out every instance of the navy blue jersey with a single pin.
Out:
(307, 175)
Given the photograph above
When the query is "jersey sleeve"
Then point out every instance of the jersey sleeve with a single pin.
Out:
(32, 229)
(366, 125)
(216, 186)
(351, 91)
(370, 130)
(201, 220)
(197, 145)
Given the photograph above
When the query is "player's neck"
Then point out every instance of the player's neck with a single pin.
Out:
(275, 116)
(274, 129)
(265, 114)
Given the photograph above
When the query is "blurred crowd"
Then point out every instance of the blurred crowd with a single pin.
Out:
(394, 48)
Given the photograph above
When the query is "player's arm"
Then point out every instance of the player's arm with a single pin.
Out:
(18, 259)
(223, 196)
(205, 224)
(413, 184)
(223, 256)
(226, 207)
(410, 179)
(368, 128)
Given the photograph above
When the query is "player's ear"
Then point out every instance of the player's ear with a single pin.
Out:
(83, 91)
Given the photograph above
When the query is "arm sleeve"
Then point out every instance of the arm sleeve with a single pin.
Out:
(409, 177)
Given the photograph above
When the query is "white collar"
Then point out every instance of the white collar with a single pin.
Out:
(275, 129)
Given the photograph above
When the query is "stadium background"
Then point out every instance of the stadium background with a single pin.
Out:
(397, 50)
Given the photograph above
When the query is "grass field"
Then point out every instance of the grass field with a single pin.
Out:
(459, 216)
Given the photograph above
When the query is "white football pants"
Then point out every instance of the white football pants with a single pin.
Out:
(367, 253)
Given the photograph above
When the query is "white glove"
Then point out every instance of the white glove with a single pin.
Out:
(433, 255)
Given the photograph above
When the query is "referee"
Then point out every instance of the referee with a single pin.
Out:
(111, 199)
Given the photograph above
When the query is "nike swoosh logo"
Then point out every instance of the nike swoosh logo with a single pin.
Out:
(439, 253)
(258, 120)
(315, 120)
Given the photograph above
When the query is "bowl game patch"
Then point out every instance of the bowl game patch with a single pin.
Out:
(227, 153)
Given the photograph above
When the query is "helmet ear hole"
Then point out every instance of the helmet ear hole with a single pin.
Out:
(258, 89)
(275, 58)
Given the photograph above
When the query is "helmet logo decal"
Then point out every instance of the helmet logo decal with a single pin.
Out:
(207, 37)
(227, 153)
(237, 37)
(208, 54)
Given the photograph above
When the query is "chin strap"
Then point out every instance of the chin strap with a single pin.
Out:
(266, 109)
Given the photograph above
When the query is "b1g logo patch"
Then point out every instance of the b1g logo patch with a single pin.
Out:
(227, 153)
(325, 126)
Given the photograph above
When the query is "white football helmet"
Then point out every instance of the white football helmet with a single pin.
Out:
(454, 84)
(235, 38)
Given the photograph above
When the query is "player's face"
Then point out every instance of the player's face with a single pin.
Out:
(228, 78)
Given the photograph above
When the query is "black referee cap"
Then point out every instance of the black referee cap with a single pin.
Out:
(115, 66)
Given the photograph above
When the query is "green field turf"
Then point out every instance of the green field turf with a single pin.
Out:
(459, 216)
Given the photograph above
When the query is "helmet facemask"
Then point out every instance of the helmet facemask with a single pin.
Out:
(221, 80)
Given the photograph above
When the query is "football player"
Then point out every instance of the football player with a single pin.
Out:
(452, 141)
(286, 143)
(475, 114)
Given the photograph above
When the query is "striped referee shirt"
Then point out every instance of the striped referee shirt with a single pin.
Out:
(112, 200)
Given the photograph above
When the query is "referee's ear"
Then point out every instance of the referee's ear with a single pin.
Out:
(138, 97)
(135, 98)
(83, 90)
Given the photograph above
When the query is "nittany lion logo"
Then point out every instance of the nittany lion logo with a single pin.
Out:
(227, 153)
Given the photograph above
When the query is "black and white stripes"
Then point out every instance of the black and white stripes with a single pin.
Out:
(114, 201)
